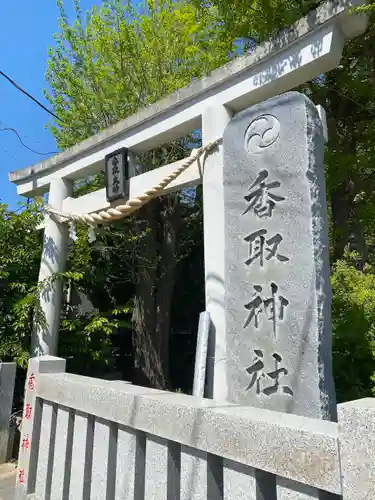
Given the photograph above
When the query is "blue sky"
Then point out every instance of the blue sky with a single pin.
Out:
(26, 32)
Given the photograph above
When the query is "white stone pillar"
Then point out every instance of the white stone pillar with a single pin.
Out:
(44, 339)
(214, 121)
(34, 436)
(357, 448)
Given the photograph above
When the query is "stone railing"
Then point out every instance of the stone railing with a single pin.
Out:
(94, 439)
(7, 380)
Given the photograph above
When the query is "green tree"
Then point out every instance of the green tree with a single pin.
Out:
(115, 60)
(347, 94)
(249, 22)
(20, 250)
(354, 329)
(106, 65)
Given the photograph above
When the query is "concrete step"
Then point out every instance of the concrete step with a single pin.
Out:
(8, 474)
(7, 494)
(7, 482)
(7, 469)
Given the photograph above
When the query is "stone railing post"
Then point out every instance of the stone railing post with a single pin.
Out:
(357, 448)
(7, 379)
(31, 423)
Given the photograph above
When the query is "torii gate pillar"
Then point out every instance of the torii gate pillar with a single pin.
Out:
(214, 121)
(44, 340)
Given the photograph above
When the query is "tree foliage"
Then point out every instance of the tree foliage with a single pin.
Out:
(246, 23)
(115, 59)
(20, 250)
(353, 329)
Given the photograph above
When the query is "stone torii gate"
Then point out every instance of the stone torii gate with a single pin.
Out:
(309, 48)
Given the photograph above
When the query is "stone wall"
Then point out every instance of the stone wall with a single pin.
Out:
(85, 437)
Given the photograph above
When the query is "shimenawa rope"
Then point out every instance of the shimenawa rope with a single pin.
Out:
(133, 204)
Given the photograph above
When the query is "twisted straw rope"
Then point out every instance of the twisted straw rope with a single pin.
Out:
(132, 204)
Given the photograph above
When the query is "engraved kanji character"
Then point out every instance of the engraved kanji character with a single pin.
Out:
(255, 307)
(275, 375)
(256, 370)
(115, 167)
(115, 184)
(273, 306)
(270, 306)
(261, 200)
(258, 374)
(258, 245)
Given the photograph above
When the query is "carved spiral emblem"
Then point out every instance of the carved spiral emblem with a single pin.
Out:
(261, 133)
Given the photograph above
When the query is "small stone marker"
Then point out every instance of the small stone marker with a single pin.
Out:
(278, 295)
(200, 368)
(7, 377)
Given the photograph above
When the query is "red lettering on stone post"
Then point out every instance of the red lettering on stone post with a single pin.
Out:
(28, 411)
(31, 382)
(25, 443)
(21, 476)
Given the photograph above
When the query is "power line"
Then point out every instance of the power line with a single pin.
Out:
(10, 154)
(18, 136)
(18, 87)
(31, 97)
(10, 129)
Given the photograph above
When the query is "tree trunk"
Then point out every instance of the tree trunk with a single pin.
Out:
(340, 218)
(347, 227)
(158, 223)
(170, 225)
